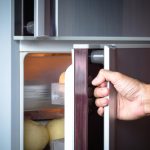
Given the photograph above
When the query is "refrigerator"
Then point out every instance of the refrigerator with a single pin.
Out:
(84, 129)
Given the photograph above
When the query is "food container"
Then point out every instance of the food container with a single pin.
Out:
(57, 93)
(36, 96)
(57, 144)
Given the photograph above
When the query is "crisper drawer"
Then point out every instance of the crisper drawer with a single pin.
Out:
(44, 79)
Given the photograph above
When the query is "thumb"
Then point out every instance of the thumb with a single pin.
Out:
(106, 75)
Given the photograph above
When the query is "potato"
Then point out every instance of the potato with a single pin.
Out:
(36, 136)
(56, 129)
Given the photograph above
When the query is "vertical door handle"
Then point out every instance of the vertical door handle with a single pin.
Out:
(39, 17)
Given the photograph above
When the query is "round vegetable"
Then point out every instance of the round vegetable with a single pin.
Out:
(56, 128)
(62, 78)
(36, 135)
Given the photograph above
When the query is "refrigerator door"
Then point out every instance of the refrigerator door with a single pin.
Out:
(81, 98)
(133, 60)
(92, 131)
(89, 128)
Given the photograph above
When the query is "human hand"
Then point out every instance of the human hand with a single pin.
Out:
(133, 96)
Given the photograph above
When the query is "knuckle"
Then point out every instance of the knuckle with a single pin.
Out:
(97, 102)
(96, 91)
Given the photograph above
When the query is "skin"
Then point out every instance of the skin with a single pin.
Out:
(133, 96)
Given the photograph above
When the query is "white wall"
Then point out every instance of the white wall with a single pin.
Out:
(5, 75)
(9, 65)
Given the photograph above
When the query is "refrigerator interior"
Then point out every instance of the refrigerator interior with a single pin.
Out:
(44, 95)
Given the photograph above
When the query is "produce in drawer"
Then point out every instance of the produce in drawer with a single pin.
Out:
(56, 129)
(36, 135)
(62, 78)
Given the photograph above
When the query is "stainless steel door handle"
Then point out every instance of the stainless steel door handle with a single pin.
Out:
(97, 56)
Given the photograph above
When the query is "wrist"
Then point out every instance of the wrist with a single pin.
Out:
(146, 99)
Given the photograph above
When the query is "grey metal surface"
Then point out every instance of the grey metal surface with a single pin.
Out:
(89, 18)
(39, 15)
(84, 18)
(104, 18)
(97, 56)
(42, 18)
(66, 46)
(15, 112)
(87, 38)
